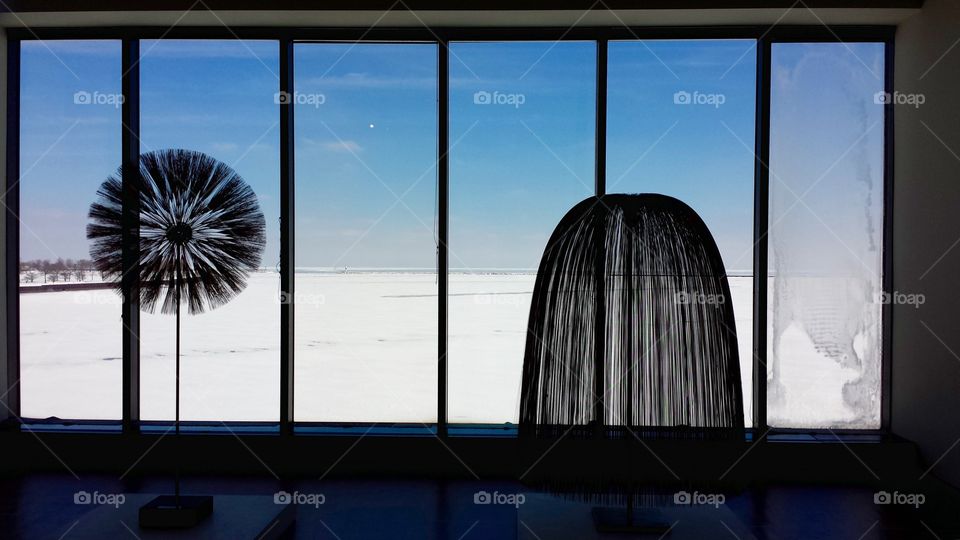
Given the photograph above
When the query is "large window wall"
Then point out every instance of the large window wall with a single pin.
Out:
(216, 97)
(522, 119)
(366, 207)
(70, 329)
(681, 121)
(826, 235)
(397, 166)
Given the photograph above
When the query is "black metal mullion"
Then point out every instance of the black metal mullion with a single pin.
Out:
(600, 153)
(287, 226)
(886, 357)
(600, 180)
(11, 200)
(130, 280)
(443, 259)
(761, 225)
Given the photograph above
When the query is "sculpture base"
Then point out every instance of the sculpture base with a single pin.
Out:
(618, 520)
(163, 512)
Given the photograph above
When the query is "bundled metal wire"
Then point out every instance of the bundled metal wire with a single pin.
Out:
(201, 231)
(201, 234)
(631, 325)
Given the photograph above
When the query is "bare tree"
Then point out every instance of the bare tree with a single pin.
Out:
(47, 268)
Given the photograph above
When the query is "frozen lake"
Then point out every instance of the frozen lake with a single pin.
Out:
(366, 350)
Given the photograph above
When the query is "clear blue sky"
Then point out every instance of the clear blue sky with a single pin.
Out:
(366, 137)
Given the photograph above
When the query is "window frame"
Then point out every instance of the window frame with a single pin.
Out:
(763, 36)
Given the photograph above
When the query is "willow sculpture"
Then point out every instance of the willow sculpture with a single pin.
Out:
(631, 324)
(631, 336)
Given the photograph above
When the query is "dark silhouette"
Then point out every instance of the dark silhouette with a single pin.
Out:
(631, 336)
(667, 354)
(201, 233)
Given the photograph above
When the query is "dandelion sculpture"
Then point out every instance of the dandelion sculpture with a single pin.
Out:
(201, 234)
(631, 335)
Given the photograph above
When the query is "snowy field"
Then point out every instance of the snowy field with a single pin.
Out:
(366, 347)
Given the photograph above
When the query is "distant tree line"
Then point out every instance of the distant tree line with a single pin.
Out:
(59, 270)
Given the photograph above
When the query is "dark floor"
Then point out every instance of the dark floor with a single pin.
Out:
(42, 506)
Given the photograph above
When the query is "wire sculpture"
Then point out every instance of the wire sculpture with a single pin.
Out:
(201, 233)
(631, 325)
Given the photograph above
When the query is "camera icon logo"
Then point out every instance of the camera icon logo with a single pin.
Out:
(82, 98)
(881, 98)
(482, 497)
(82, 497)
(282, 497)
(681, 497)
(482, 97)
(681, 98)
(282, 98)
(881, 497)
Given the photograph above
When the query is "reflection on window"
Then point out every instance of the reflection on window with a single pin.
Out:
(522, 144)
(681, 123)
(826, 215)
(217, 97)
(70, 326)
(366, 283)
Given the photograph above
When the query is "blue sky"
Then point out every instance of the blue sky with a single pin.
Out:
(366, 146)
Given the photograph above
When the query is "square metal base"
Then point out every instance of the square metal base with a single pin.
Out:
(163, 512)
(618, 520)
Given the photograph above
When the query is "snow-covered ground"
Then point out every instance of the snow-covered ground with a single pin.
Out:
(366, 350)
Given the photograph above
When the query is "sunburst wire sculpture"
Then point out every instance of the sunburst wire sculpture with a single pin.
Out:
(201, 234)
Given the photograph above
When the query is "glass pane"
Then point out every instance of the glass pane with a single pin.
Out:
(217, 97)
(366, 283)
(826, 226)
(522, 148)
(681, 123)
(70, 326)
